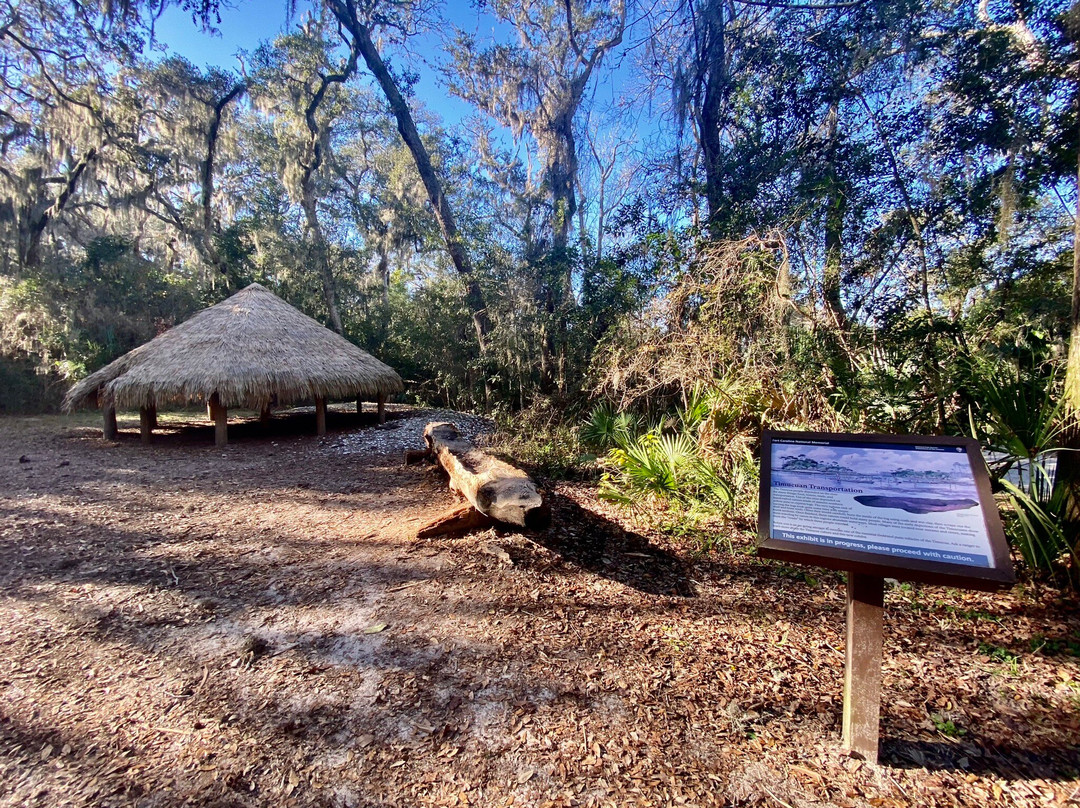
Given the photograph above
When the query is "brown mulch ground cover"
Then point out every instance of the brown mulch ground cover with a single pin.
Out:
(255, 626)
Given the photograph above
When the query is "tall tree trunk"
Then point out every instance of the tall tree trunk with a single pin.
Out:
(346, 14)
(562, 172)
(712, 67)
(1072, 371)
(1068, 468)
(311, 163)
(206, 238)
(382, 272)
(562, 175)
(835, 208)
(322, 258)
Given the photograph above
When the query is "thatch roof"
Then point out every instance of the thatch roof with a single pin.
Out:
(247, 349)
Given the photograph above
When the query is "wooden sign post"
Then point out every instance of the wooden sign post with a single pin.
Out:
(906, 507)
(862, 664)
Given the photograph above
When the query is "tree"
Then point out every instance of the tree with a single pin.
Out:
(538, 85)
(294, 76)
(178, 117)
(358, 27)
(56, 130)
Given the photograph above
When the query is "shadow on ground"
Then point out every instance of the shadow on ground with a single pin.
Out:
(258, 628)
(1010, 762)
(189, 428)
(603, 547)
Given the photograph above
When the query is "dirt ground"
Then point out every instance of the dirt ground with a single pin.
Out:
(256, 626)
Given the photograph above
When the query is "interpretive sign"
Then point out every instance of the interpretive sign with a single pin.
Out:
(915, 508)
(877, 506)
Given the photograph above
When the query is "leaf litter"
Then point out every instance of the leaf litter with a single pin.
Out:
(180, 625)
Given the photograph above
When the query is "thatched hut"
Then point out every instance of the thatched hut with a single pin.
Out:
(250, 350)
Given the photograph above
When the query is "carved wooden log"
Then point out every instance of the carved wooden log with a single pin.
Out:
(458, 519)
(494, 488)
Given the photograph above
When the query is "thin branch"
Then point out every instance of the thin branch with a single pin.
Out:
(803, 6)
(45, 72)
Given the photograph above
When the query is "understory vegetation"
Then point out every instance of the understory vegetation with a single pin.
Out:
(849, 217)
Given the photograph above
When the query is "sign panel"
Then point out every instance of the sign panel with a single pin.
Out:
(909, 507)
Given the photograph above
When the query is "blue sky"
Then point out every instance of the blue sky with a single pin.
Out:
(244, 26)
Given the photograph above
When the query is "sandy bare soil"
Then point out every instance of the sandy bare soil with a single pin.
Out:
(255, 626)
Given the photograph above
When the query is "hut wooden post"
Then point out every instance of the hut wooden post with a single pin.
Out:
(359, 405)
(109, 432)
(220, 415)
(264, 415)
(320, 416)
(146, 424)
(382, 408)
(153, 416)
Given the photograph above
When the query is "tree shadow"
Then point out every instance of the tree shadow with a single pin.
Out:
(1007, 761)
(603, 547)
(439, 692)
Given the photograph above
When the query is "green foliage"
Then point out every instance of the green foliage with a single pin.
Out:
(1036, 525)
(669, 469)
(606, 428)
(1020, 417)
(74, 315)
(24, 389)
(1051, 646)
(423, 331)
(540, 439)
(1003, 655)
(947, 727)
(657, 464)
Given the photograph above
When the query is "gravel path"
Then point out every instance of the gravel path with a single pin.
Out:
(405, 430)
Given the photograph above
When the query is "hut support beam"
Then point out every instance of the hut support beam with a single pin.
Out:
(320, 416)
(153, 416)
(109, 431)
(220, 416)
(146, 424)
(382, 408)
(264, 415)
(359, 406)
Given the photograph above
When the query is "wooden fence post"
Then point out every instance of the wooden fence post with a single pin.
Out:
(862, 664)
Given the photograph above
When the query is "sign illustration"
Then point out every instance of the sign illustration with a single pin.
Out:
(912, 507)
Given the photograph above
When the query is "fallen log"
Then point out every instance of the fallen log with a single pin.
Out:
(494, 488)
(414, 456)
